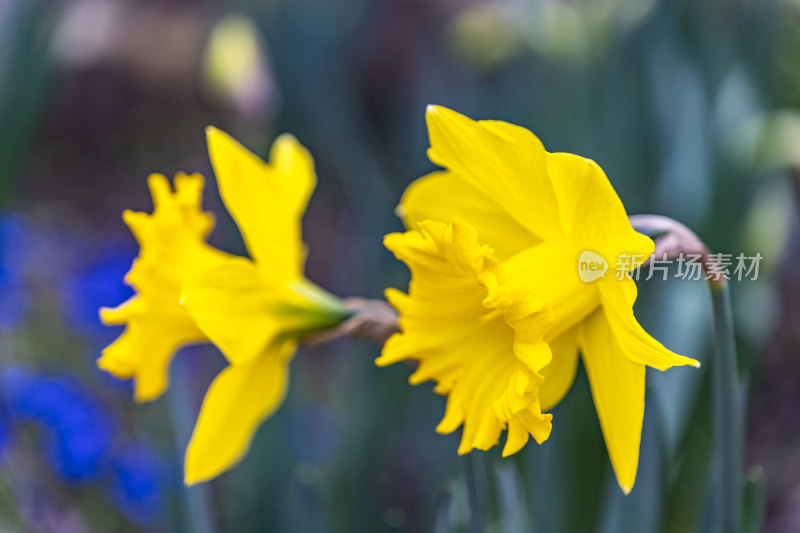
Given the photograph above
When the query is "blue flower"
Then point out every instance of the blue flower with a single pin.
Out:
(81, 441)
(99, 284)
(136, 489)
(5, 433)
(79, 449)
(14, 295)
(77, 430)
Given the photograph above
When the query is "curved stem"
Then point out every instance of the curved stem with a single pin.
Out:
(727, 413)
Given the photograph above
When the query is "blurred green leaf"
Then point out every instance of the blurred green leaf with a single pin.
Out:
(511, 499)
(25, 73)
(443, 508)
(307, 501)
(766, 141)
(567, 473)
(688, 486)
(753, 500)
(642, 508)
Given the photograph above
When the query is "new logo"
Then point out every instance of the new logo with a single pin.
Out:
(591, 266)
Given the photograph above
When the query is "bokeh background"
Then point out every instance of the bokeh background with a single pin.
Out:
(691, 107)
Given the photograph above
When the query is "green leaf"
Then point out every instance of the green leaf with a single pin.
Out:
(688, 487)
(566, 474)
(307, 500)
(512, 501)
(753, 499)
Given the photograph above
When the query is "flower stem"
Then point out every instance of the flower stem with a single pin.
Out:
(198, 505)
(727, 412)
(475, 478)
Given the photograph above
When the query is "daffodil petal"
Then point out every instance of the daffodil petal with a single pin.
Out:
(638, 345)
(560, 373)
(239, 399)
(549, 272)
(442, 196)
(527, 423)
(506, 162)
(242, 312)
(591, 212)
(617, 385)
(231, 305)
(267, 200)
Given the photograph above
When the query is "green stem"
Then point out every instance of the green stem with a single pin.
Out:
(727, 412)
(197, 500)
(475, 479)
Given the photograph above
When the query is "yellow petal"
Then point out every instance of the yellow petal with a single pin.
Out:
(618, 297)
(618, 390)
(239, 399)
(508, 163)
(549, 271)
(172, 242)
(242, 312)
(560, 373)
(443, 196)
(530, 422)
(591, 212)
(267, 200)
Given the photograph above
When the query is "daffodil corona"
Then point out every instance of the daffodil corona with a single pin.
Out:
(497, 313)
(255, 310)
(173, 249)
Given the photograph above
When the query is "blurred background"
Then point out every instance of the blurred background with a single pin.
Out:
(692, 108)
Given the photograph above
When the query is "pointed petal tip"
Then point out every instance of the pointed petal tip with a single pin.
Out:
(382, 361)
(215, 135)
(393, 242)
(143, 396)
(435, 112)
(139, 399)
(286, 137)
(625, 489)
(193, 475)
(104, 313)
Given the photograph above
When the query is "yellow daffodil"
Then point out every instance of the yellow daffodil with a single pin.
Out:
(497, 312)
(255, 311)
(173, 248)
